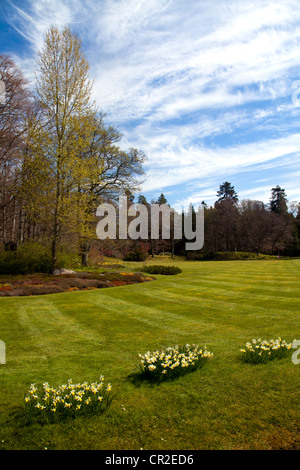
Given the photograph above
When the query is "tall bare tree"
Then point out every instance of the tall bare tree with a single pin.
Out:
(63, 91)
(15, 104)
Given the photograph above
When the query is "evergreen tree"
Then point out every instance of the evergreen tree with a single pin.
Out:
(142, 200)
(227, 193)
(162, 199)
(129, 195)
(278, 200)
(227, 215)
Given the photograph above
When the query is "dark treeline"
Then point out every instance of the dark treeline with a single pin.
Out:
(231, 225)
(251, 225)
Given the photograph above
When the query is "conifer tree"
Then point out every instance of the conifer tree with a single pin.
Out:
(278, 200)
(227, 193)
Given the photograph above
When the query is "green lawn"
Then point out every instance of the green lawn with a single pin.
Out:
(225, 405)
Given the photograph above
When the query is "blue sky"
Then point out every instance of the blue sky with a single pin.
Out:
(208, 90)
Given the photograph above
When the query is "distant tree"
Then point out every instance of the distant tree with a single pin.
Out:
(211, 240)
(282, 223)
(226, 216)
(162, 199)
(297, 225)
(281, 228)
(163, 245)
(227, 193)
(130, 196)
(254, 226)
(278, 201)
(142, 200)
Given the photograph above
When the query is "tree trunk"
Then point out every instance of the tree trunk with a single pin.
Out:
(152, 248)
(54, 242)
(85, 246)
(84, 253)
(54, 253)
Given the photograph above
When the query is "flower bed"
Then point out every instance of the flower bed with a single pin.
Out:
(5, 287)
(53, 284)
(173, 361)
(67, 401)
(261, 351)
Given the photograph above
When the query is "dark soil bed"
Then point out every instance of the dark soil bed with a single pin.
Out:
(40, 284)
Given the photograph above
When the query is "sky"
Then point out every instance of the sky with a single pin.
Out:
(210, 91)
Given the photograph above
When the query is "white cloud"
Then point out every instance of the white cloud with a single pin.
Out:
(172, 74)
(34, 21)
(196, 65)
(205, 165)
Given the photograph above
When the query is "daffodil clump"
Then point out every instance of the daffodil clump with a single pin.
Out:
(261, 351)
(68, 400)
(173, 361)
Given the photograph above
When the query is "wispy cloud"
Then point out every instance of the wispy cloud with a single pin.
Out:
(33, 20)
(204, 88)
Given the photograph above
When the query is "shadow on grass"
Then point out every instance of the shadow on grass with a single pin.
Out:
(137, 378)
(17, 418)
(275, 360)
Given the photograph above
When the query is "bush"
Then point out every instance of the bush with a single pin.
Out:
(30, 257)
(135, 255)
(173, 361)
(68, 260)
(224, 256)
(158, 269)
(33, 257)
